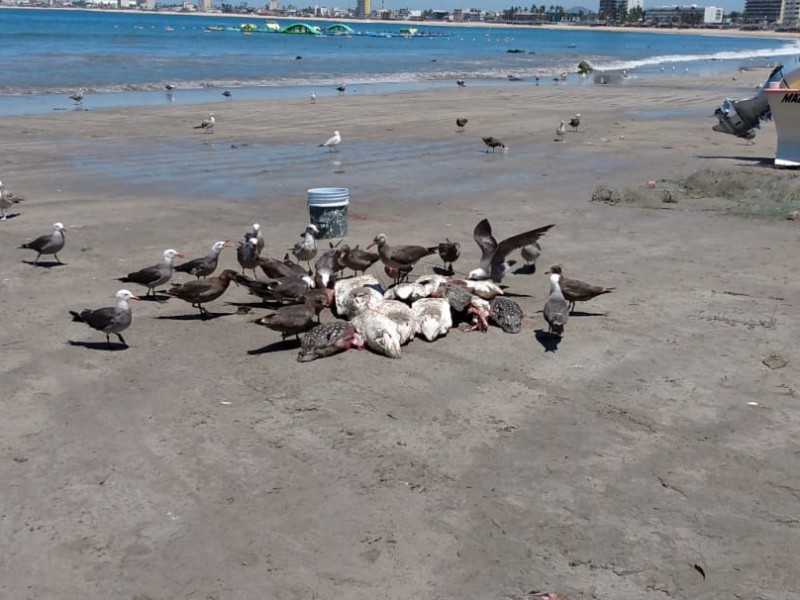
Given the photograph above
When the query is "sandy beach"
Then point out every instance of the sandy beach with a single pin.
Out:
(203, 462)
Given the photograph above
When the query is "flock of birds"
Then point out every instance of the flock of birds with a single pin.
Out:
(382, 319)
(492, 143)
(368, 314)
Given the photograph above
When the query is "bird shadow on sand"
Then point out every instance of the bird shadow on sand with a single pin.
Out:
(508, 294)
(525, 270)
(290, 344)
(154, 298)
(762, 161)
(549, 341)
(255, 304)
(580, 313)
(45, 265)
(107, 346)
(209, 316)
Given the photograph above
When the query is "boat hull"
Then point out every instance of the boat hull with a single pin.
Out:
(784, 104)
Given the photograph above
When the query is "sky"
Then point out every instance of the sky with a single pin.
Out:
(727, 5)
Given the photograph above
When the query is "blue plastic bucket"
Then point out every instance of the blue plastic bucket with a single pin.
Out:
(327, 209)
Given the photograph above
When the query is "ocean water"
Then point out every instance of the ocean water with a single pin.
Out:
(126, 59)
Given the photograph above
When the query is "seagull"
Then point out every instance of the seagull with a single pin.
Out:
(460, 123)
(169, 87)
(256, 233)
(460, 83)
(306, 248)
(199, 292)
(530, 254)
(227, 94)
(556, 309)
(493, 255)
(575, 290)
(313, 98)
(247, 255)
(151, 277)
(111, 319)
(493, 143)
(341, 89)
(7, 200)
(749, 136)
(206, 265)
(575, 121)
(561, 132)
(77, 97)
(400, 258)
(48, 244)
(207, 125)
(332, 142)
(449, 253)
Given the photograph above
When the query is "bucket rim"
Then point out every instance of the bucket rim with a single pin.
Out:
(328, 191)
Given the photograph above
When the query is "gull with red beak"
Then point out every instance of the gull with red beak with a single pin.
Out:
(111, 319)
(48, 244)
(206, 265)
(152, 277)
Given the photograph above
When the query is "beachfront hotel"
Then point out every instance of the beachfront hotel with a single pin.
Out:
(362, 9)
(781, 12)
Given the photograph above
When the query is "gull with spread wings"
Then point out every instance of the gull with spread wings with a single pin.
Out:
(493, 254)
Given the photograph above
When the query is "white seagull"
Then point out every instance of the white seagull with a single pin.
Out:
(77, 97)
(332, 142)
(7, 200)
(561, 132)
(207, 125)
(313, 98)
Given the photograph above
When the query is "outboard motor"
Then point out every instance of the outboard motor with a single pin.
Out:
(742, 117)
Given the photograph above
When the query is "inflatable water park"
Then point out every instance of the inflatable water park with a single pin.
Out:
(339, 29)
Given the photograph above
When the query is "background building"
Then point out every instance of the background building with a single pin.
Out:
(676, 15)
(713, 15)
(791, 13)
(763, 11)
(362, 9)
(464, 15)
(611, 11)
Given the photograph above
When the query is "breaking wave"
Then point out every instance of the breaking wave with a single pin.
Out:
(615, 65)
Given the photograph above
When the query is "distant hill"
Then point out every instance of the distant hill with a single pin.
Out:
(577, 9)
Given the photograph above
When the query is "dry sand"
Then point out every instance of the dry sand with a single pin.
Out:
(204, 462)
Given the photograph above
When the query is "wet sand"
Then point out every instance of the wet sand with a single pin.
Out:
(205, 462)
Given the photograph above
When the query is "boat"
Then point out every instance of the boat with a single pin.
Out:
(784, 104)
(778, 99)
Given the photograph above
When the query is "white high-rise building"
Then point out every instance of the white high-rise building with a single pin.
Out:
(713, 15)
(635, 4)
(791, 13)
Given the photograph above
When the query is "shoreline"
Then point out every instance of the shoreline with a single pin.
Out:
(557, 26)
